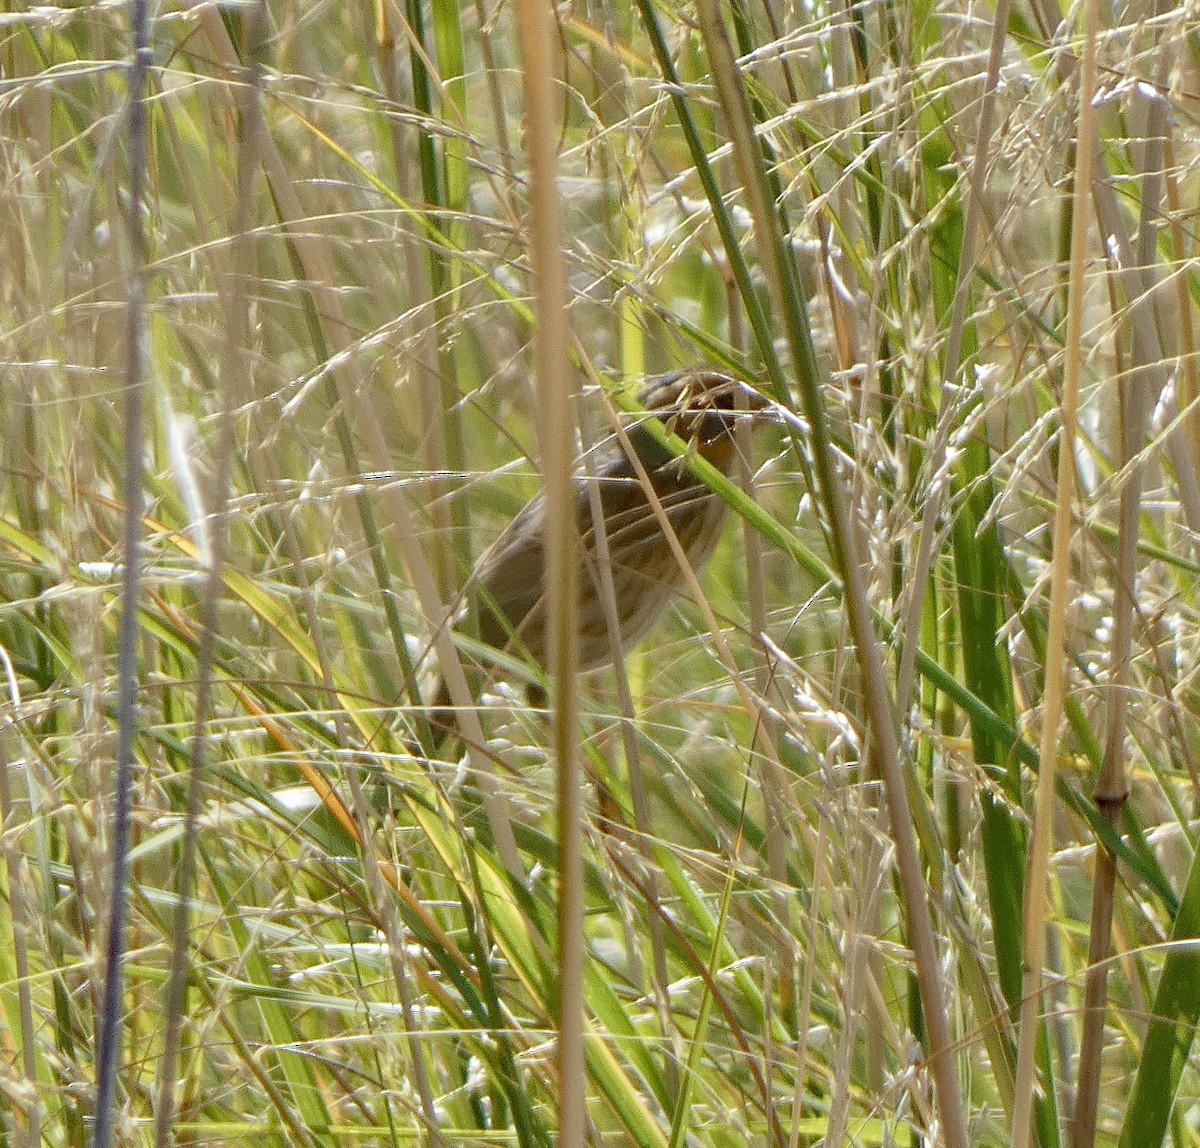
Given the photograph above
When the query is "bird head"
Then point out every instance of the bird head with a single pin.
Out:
(703, 407)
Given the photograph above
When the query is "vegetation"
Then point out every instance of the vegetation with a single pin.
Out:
(933, 722)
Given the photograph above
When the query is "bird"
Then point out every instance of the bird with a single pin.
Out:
(701, 406)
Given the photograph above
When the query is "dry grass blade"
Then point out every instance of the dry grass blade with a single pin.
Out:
(866, 218)
(557, 439)
(1052, 703)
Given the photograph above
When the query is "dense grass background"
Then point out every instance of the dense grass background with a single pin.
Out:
(333, 937)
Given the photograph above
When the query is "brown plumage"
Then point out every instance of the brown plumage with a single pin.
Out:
(698, 405)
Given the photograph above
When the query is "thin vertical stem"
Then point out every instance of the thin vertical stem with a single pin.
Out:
(109, 1026)
(1052, 707)
(557, 440)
